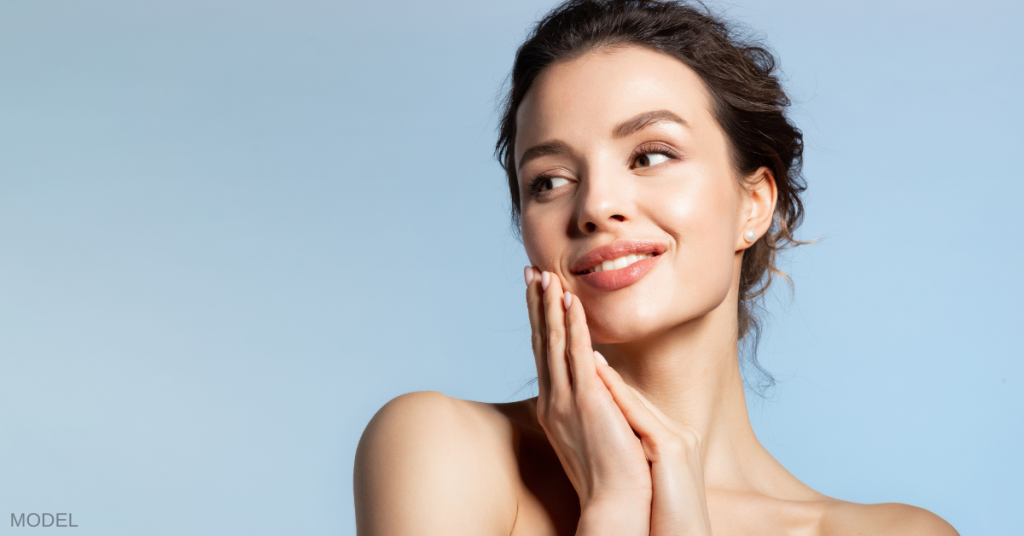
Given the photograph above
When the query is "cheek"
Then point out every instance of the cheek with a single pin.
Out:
(701, 216)
(542, 246)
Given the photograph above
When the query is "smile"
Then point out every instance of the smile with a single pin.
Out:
(619, 264)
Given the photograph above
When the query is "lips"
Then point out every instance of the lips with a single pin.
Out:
(619, 264)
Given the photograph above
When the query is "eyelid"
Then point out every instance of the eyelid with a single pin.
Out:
(533, 186)
(654, 147)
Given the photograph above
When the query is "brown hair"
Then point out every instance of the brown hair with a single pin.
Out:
(741, 76)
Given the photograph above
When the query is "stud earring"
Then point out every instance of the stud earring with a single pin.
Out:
(750, 236)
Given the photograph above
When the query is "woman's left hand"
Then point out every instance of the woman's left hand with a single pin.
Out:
(679, 503)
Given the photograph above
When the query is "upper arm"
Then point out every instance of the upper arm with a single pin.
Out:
(425, 466)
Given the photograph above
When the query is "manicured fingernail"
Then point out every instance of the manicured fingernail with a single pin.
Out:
(528, 274)
(545, 278)
(568, 300)
(600, 358)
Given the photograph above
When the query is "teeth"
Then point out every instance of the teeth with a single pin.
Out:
(621, 262)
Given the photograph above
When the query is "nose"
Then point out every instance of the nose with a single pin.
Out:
(603, 204)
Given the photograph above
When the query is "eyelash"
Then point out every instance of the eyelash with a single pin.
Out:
(652, 148)
(536, 182)
(649, 148)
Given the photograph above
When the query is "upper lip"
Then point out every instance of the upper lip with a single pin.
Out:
(615, 250)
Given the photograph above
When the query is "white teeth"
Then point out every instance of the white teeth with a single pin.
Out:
(621, 262)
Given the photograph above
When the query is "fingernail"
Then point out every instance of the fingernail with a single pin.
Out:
(568, 300)
(528, 274)
(600, 358)
(545, 278)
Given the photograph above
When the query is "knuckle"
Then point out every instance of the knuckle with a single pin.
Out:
(674, 445)
(543, 414)
(555, 403)
(559, 410)
(691, 437)
(680, 444)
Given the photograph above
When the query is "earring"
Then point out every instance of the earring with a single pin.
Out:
(750, 236)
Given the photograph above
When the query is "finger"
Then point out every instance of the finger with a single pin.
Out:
(640, 418)
(649, 405)
(581, 352)
(538, 330)
(675, 426)
(554, 321)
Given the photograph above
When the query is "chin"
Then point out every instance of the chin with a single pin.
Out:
(611, 324)
(613, 321)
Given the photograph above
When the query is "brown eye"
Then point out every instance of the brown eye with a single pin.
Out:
(650, 159)
(551, 183)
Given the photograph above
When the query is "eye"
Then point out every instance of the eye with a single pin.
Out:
(649, 159)
(550, 183)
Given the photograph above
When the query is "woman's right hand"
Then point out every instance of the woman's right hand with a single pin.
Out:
(601, 455)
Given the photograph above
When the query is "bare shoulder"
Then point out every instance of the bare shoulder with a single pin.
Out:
(432, 416)
(885, 519)
(428, 463)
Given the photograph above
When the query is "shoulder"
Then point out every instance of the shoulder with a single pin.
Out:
(432, 419)
(886, 519)
(424, 453)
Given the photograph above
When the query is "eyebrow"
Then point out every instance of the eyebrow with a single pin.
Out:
(623, 129)
(544, 149)
(644, 120)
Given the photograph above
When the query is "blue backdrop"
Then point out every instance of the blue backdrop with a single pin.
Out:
(230, 231)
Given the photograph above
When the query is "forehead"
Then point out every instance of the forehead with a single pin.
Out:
(577, 99)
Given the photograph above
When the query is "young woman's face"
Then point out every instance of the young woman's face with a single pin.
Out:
(628, 192)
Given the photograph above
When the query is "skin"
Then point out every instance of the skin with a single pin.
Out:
(657, 441)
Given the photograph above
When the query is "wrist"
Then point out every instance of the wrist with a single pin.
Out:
(615, 516)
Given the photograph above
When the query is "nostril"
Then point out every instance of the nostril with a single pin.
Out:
(618, 217)
(590, 227)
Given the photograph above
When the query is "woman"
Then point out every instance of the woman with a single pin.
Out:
(654, 176)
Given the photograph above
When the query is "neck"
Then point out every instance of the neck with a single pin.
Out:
(692, 374)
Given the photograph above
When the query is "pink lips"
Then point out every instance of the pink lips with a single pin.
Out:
(623, 277)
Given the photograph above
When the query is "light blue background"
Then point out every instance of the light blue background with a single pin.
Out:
(230, 231)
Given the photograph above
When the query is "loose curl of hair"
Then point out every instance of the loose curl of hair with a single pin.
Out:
(747, 99)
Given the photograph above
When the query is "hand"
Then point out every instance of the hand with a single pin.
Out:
(679, 503)
(599, 451)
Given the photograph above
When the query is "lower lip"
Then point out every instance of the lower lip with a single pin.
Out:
(623, 277)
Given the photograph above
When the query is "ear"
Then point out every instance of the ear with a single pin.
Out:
(759, 207)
